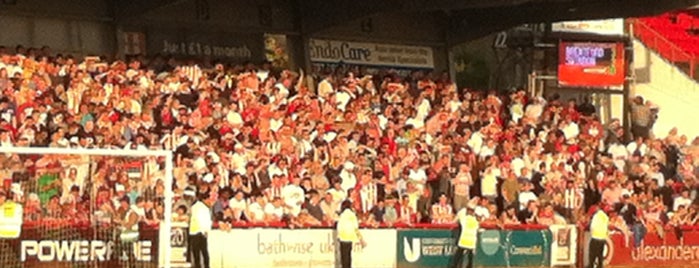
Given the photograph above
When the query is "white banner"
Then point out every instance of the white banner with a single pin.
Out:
(563, 244)
(330, 51)
(253, 248)
(179, 236)
(613, 27)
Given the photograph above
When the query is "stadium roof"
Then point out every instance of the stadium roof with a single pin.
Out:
(464, 19)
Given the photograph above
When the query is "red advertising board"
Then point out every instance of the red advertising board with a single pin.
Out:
(599, 65)
(654, 252)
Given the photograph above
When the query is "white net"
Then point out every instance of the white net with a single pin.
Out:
(86, 209)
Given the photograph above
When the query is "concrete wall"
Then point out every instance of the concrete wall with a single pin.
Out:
(668, 87)
(78, 37)
(79, 27)
(74, 9)
(224, 15)
(230, 24)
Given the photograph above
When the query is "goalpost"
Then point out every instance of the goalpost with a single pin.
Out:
(96, 249)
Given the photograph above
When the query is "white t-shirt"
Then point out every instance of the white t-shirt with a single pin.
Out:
(238, 207)
(349, 180)
(475, 142)
(571, 130)
(234, 118)
(681, 201)
(338, 196)
(271, 210)
(418, 176)
(257, 212)
(482, 212)
(490, 182)
(293, 196)
(524, 198)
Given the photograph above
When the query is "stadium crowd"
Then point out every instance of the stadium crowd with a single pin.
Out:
(284, 148)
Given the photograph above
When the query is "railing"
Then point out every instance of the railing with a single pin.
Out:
(666, 48)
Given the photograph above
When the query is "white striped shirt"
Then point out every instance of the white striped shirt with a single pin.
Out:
(192, 72)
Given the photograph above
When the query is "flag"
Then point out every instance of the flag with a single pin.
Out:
(133, 169)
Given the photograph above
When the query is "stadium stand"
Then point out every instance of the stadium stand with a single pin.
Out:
(283, 148)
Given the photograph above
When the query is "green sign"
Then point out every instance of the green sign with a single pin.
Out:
(528, 248)
(490, 249)
(425, 248)
(495, 248)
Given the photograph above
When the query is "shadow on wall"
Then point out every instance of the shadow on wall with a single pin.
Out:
(472, 71)
(643, 72)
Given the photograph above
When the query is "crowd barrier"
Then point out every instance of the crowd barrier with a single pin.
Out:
(418, 246)
(69, 244)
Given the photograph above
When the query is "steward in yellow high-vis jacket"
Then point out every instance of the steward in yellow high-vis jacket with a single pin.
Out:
(10, 217)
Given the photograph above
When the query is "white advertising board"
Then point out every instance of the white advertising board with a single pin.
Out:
(372, 54)
(610, 27)
(564, 244)
(253, 248)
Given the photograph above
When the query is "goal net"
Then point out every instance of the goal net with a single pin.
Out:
(70, 207)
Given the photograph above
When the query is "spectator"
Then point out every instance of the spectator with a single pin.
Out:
(509, 216)
(313, 207)
(682, 201)
(257, 209)
(264, 135)
(641, 118)
(238, 205)
(329, 208)
(391, 213)
(274, 210)
(442, 212)
(526, 195)
(462, 184)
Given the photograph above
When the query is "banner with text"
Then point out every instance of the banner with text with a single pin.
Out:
(425, 248)
(564, 246)
(252, 248)
(609, 27)
(179, 240)
(495, 248)
(236, 47)
(370, 54)
(653, 251)
(527, 248)
(62, 245)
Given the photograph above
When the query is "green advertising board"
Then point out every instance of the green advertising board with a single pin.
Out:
(425, 248)
(490, 249)
(495, 248)
(528, 248)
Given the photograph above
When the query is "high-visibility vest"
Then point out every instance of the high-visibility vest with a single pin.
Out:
(10, 220)
(469, 231)
(129, 234)
(599, 226)
(347, 226)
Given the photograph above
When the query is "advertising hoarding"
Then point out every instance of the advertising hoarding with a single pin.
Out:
(253, 248)
(60, 246)
(370, 54)
(495, 248)
(608, 27)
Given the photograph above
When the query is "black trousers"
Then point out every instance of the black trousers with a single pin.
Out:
(200, 249)
(459, 257)
(346, 254)
(596, 257)
(125, 253)
(639, 131)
